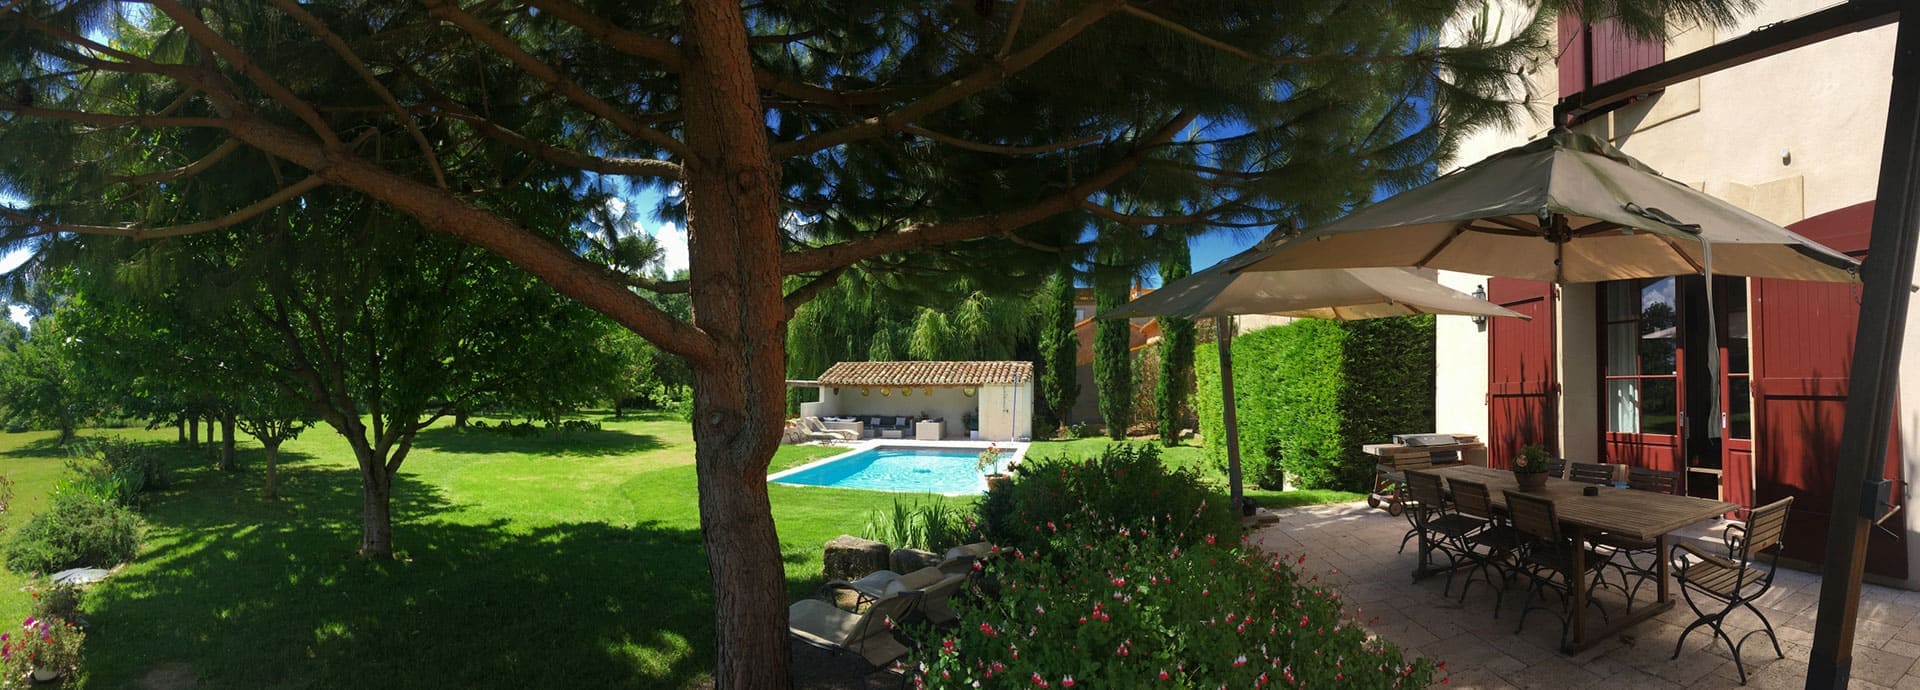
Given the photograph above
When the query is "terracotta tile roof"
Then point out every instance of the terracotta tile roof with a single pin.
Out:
(925, 373)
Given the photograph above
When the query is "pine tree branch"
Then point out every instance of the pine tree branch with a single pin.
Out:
(998, 71)
(633, 167)
(924, 235)
(219, 153)
(1013, 29)
(1001, 149)
(805, 293)
(139, 232)
(109, 121)
(510, 49)
(339, 46)
(211, 40)
(591, 284)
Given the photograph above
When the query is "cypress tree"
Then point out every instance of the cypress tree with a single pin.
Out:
(1059, 382)
(1174, 389)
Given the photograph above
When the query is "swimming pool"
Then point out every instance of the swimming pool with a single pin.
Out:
(946, 470)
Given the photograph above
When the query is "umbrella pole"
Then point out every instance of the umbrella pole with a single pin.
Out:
(1876, 365)
(1223, 336)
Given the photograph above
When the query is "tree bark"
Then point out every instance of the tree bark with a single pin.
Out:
(180, 428)
(460, 419)
(193, 430)
(227, 459)
(376, 524)
(273, 467)
(734, 257)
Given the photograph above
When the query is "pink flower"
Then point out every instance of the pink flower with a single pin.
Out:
(1164, 675)
(987, 629)
(1066, 682)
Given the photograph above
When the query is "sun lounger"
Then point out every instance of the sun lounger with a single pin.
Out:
(868, 634)
(934, 584)
(818, 431)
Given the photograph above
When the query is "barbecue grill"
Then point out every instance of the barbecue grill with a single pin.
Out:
(1416, 451)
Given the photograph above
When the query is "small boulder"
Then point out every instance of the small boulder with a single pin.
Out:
(909, 560)
(849, 557)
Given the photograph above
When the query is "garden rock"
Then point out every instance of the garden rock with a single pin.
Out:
(79, 576)
(909, 560)
(849, 557)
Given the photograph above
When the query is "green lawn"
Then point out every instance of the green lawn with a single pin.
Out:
(1188, 455)
(563, 560)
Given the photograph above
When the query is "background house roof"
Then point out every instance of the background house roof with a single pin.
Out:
(925, 373)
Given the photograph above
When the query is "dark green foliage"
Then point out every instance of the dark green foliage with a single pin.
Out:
(42, 385)
(1112, 358)
(1059, 377)
(129, 468)
(1173, 390)
(934, 525)
(75, 530)
(1312, 392)
(1126, 484)
(60, 601)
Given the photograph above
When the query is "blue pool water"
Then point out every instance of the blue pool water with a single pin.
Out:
(888, 468)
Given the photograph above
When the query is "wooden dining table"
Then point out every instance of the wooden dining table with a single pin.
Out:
(1643, 515)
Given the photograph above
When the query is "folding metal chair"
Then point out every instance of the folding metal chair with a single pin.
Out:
(1733, 581)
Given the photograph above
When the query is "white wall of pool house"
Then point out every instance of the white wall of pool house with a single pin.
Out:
(1005, 411)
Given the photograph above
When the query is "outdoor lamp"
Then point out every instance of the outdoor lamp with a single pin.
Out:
(1480, 293)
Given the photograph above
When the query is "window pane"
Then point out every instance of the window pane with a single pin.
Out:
(1732, 299)
(1739, 407)
(1658, 407)
(1658, 335)
(1623, 300)
(1623, 406)
(1623, 349)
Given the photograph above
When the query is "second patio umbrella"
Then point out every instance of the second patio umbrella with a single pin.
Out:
(1345, 294)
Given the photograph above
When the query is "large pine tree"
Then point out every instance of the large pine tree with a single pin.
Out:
(803, 137)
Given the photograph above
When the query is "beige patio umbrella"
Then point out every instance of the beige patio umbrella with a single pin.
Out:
(1345, 294)
(1566, 208)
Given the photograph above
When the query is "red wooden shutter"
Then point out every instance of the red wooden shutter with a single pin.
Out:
(1612, 53)
(1803, 351)
(1573, 54)
(1520, 391)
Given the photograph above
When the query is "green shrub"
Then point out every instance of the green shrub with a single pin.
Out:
(75, 530)
(115, 469)
(935, 525)
(60, 601)
(1126, 484)
(1312, 392)
(1138, 610)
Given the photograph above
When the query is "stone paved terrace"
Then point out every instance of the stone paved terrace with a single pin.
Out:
(1353, 547)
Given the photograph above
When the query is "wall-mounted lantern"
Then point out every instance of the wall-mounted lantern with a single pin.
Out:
(1480, 293)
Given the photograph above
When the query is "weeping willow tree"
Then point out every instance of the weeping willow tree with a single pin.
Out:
(870, 317)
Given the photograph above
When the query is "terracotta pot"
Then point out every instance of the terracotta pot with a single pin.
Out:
(1531, 481)
(996, 482)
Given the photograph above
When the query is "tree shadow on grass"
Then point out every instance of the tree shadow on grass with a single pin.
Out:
(546, 442)
(254, 594)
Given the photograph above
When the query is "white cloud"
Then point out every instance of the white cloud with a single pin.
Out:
(673, 247)
(17, 313)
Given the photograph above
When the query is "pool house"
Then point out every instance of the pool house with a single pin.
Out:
(987, 401)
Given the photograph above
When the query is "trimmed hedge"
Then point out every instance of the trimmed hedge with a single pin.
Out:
(1311, 392)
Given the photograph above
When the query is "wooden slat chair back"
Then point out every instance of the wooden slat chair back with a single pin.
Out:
(1591, 472)
(1425, 488)
(1557, 468)
(1765, 527)
(1657, 481)
(1533, 516)
(1471, 498)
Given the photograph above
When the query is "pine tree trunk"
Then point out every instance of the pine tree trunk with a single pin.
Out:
(734, 255)
(273, 467)
(376, 522)
(227, 459)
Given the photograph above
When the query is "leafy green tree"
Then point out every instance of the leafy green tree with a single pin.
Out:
(802, 138)
(1174, 387)
(272, 417)
(41, 384)
(1059, 345)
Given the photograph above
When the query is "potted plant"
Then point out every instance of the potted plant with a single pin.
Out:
(1530, 467)
(989, 462)
(44, 648)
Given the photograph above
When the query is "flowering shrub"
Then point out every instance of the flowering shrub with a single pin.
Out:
(1135, 609)
(48, 644)
(1126, 485)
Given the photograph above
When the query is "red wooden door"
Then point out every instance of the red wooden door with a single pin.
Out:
(1520, 386)
(1803, 347)
(1643, 366)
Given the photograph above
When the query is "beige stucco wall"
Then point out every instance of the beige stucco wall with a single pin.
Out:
(1006, 412)
(946, 403)
(1787, 137)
